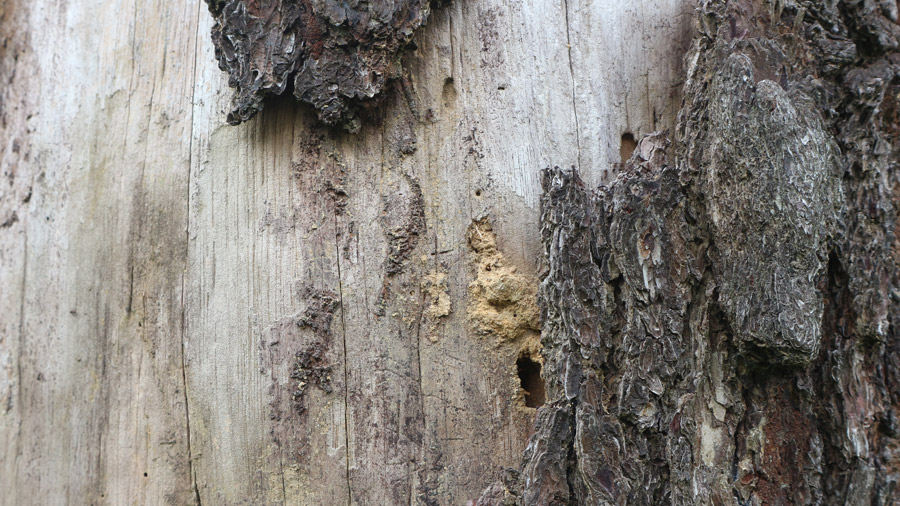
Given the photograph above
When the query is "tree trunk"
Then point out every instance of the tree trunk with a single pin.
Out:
(721, 328)
(282, 312)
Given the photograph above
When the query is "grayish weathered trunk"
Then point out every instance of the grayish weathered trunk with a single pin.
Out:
(278, 312)
(281, 312)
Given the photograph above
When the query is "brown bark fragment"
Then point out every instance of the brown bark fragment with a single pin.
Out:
(723, 329)
(336, 56)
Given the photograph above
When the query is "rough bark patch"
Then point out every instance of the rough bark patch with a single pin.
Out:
(336, 56)
(723, 329)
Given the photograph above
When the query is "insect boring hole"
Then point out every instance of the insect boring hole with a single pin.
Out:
(530, 379)
(627, 147)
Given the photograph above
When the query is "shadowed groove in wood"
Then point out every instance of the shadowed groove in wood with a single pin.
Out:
(187, 230)
(346, 374)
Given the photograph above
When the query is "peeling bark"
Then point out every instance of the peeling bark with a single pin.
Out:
(721, 329)
(336, 56)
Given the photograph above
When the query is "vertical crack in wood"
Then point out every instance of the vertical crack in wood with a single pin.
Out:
(195, 490)
(19, 357)
(130, 262)
(337, 252)
(187, 416)
(574, 87)
(130, 258)
(419, 461)
(283, 486)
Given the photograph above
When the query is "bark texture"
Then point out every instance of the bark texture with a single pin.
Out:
(721, 327)
(335, 55)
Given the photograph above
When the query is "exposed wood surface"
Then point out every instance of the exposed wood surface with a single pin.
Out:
(164, 270)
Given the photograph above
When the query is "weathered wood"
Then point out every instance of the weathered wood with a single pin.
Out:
(14, 196)
(171, 280)
(104, 137)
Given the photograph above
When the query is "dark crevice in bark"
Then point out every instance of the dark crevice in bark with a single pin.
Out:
(572, 458)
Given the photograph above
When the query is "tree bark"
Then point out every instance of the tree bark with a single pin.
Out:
(721, 327)
(283, 312)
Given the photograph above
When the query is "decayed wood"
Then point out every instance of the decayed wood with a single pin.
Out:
(278, 312)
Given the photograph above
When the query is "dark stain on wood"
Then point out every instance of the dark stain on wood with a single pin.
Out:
(297, 354)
